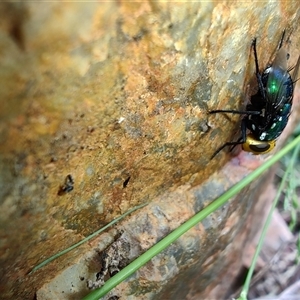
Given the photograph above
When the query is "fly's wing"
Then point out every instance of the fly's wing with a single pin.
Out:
(279, 88)
(280, 60)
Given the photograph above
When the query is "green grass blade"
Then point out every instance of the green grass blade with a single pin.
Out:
(48, 260)
(246, 286)
(174, 235)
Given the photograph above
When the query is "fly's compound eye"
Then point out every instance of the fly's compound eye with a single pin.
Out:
(257, 147)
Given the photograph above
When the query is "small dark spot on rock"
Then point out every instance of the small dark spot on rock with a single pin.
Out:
(125, 183)
(67, 187)
(53, 159)
(90, 129)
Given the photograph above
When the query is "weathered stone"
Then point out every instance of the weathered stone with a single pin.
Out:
(116, 95)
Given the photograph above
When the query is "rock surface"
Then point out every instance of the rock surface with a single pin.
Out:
(116, 94)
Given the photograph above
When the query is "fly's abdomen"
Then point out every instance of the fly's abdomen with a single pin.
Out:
(278, 123)
(279, 87)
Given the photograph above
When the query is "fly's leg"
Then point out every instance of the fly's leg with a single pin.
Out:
(257, 73)
(240, 141)
(281, 40)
